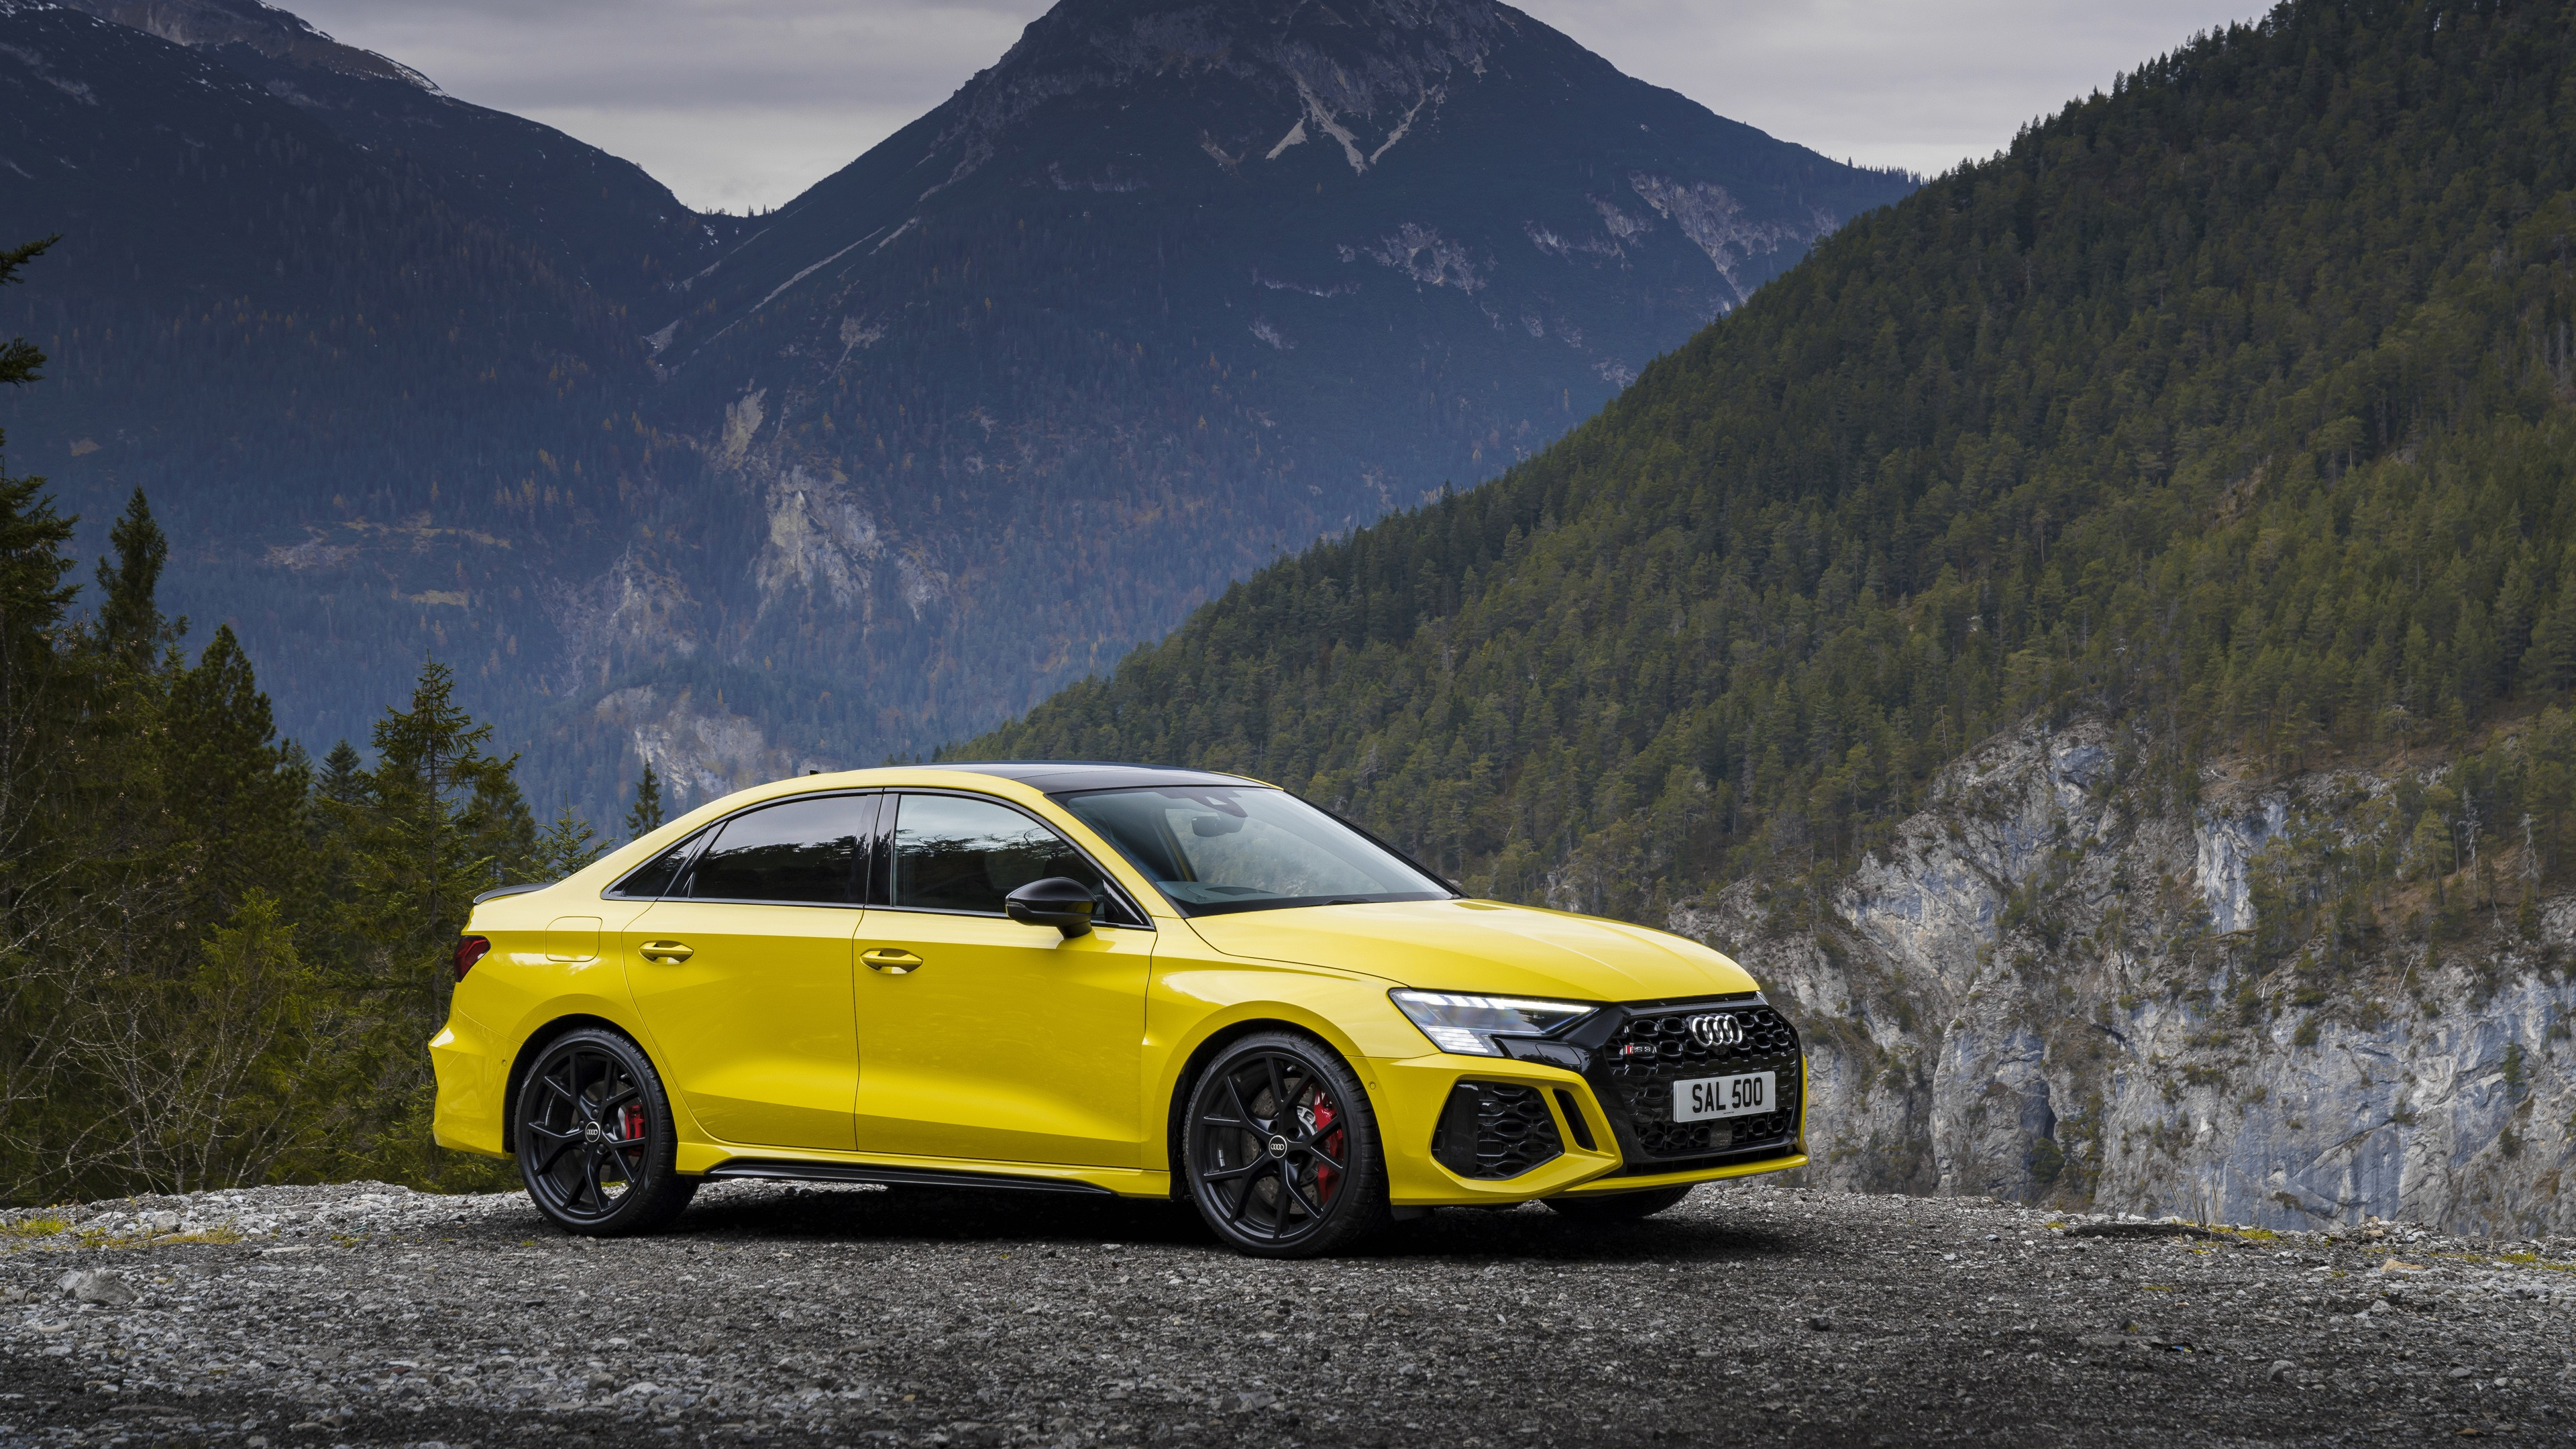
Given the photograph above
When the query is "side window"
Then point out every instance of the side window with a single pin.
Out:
(802, 852)
(653, 881)
(957, 854)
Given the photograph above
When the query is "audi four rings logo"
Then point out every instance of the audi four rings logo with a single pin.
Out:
(1716, 1030)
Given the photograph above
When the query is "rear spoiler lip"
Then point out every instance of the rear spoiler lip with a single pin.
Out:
(510, 890)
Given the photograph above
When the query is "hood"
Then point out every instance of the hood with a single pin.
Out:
(1481, 946)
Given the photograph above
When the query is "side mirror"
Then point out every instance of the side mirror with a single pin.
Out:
(1054, 901)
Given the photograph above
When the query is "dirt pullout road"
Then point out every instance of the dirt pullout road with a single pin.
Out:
(371, 1315)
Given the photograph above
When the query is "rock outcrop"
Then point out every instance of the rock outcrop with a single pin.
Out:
(2056, 984)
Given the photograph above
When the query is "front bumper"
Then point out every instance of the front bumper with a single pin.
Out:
(1590, 1112)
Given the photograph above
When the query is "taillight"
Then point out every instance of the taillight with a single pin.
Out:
(469, 949)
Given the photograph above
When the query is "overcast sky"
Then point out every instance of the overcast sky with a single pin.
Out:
(743, 103)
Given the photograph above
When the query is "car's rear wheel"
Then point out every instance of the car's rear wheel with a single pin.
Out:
(596, 1143)
(1619, 1207)
(1281, 1151)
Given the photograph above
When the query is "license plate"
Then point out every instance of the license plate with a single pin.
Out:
(1704, 1099)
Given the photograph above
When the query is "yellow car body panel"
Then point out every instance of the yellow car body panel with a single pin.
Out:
(1483, 946)
(802, 1035)
(757, 1022)
(1007, 1043)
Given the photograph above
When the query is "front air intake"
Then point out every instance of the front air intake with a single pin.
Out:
(1494, 1130)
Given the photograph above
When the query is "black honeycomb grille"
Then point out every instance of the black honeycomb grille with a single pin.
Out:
(1494, 1129)
(1656, 1048)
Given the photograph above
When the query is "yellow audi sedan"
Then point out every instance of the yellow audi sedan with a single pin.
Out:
(1093, 978)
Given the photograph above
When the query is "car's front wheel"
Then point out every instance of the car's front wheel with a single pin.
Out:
(596, 1143)
(1281, 1151)
(1619, 1207)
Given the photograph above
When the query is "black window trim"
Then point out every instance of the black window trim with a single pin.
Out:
(1190, 910)
(885, 851)
(615, 890)
(698, 843)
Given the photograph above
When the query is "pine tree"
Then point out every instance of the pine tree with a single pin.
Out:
(441, 820)
(232, 791)
(344, 776)
(645, 816)
(130, 625)
(448, 820)
(566, 845)
(19, 358)
(2550, 663)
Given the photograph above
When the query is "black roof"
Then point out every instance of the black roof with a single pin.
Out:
(1057, 777)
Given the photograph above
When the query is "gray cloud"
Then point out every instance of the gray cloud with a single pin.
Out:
(743, 103)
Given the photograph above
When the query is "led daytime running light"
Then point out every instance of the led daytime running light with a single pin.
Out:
(1469, 1025)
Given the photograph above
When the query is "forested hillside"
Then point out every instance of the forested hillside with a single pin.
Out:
(2232, 405)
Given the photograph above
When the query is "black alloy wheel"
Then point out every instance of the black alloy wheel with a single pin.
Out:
(1619, 1207)
(1281, 1151)
(595, 1139)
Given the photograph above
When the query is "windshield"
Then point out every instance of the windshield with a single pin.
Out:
(1224, 848)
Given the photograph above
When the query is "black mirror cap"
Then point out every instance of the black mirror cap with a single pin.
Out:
(1055, 901)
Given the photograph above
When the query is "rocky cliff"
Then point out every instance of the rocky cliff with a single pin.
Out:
(2075, 979)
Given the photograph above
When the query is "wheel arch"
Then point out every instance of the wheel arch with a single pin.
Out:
(1216, 1040)
(537, 1041)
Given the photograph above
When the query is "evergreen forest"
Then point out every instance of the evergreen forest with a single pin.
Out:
(2233, 405)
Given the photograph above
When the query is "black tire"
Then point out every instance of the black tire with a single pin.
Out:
(1619, 1207)
(596, 1144)
(1280, 1149)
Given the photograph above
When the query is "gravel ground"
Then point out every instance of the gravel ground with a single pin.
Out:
(362, 1314)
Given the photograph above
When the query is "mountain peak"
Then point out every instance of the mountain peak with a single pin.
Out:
(1355, 74)
(275, 33)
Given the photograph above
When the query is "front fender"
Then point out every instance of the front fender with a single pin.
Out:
(1195, 1003)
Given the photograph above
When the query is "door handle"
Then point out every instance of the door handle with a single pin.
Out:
(665, 953)
(890, 960)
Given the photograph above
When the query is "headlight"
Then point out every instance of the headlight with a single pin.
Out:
(1469, 1024)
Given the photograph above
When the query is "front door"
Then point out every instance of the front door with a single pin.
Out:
(742, 974)
(984, 1038)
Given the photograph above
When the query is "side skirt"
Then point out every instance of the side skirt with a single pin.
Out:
(899, 1176)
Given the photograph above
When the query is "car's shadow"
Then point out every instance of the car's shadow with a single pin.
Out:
(936, 1215)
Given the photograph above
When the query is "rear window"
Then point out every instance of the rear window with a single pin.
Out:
(798, 852)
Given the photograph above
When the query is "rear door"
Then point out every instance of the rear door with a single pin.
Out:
(742, 973)
(982, 1037)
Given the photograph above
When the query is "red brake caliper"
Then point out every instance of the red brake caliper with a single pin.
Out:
(630, 1123)
(1326, 1138)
